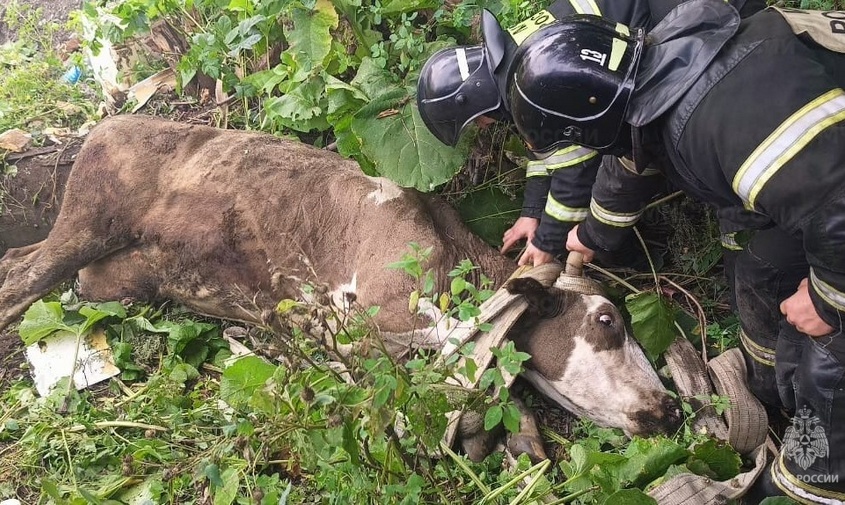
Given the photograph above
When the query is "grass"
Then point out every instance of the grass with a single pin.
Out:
(33, 95)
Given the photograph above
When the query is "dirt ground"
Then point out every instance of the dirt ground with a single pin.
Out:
(51, 10)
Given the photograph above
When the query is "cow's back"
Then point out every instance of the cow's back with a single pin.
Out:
(213, 213)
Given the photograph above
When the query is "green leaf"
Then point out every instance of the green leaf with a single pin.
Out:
(652, 320)
(715, 459)
(242, 378)
(400, 6)
(40, 320)
(311, 33)
(629, 497)
(300, 109)
(511, 418)
(240, 6)
(225, 494)
(372, 80)
(493, 417)
(212, 473)
(458, 286)
(244, 44)
(489, 212)
(350, 440)
(648, 459)
(401, 146)
(778, 500)
(94, 314)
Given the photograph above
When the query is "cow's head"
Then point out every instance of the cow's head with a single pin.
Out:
(583, 358)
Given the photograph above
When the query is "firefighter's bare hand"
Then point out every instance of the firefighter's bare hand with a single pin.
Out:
(801, 313)
(573, 243)
(535, 256)
(523, 228)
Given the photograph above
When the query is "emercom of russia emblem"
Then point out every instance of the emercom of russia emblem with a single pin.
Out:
(805, 440)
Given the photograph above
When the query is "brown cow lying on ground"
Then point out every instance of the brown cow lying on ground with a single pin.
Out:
(229, 222)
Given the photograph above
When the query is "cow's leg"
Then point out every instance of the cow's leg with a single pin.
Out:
(15, 256)
(54, 260)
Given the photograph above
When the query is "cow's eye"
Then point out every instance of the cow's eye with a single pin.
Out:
(605, 320)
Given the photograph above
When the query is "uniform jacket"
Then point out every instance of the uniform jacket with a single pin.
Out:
(558, 188)
(759, 134)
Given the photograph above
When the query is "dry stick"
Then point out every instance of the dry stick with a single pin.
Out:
(116, 424)
(614, 277)
(648, 257)
(702, 319)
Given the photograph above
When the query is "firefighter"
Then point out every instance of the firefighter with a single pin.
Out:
(462, 85)
(748, 116)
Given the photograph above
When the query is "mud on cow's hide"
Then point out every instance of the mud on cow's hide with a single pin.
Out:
(229, 222)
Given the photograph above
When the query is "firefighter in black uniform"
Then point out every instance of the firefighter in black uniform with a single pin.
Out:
(750, 117)
(460, 85)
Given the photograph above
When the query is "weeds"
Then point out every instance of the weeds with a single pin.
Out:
(33, 95)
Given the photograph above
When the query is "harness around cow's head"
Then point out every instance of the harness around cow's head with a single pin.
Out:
(583, 357)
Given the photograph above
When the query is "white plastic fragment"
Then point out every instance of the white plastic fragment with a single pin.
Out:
(51, 359)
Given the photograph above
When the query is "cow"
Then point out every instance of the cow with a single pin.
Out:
(228, 223)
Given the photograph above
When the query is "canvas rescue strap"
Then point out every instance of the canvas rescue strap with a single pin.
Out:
(826, 28)
(744, 425)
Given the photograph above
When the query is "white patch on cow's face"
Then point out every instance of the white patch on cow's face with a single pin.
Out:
(385, 191)
(607, 386)
(593, 302)
(340, 296)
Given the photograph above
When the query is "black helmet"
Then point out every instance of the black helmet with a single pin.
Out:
(456, 85)
(572, 81)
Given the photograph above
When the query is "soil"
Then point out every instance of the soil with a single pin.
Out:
(30, 200)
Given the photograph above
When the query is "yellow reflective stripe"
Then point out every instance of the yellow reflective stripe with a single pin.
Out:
(617, 51)
(562, 212)
(757, 352)
(523, 30)
(536, 168)
(828, 293)
(785, 142)
(568, 157)
(617, 219)
(585, 7)
(729, 242)
(631, 167)
(622, 29)
(804, 491)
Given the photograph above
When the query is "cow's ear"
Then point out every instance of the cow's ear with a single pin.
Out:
(541, 302)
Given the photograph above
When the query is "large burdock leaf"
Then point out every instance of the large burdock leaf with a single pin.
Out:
(653, 321)
(394, 136)
(488, 212)
(301, 108)
(311, 33)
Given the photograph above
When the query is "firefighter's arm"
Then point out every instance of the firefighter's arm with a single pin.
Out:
(537, 181)
(619, 197)
(573, 171)
(824, 241)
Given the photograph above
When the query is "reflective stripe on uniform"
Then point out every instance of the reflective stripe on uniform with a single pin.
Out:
(758, 353)
(617, 219)
(562, 212)
(536, 168)
(729, 242)
(585, 7)
(568, 157)
(828, 293)
(800, 491)
(785, 142)
(629, 165)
